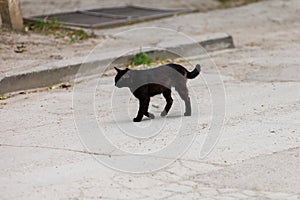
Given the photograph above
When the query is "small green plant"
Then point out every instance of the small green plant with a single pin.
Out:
(141, 58)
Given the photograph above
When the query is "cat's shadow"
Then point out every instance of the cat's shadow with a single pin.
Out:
(157, 117)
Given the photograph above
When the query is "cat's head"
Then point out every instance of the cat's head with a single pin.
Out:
(122, 78)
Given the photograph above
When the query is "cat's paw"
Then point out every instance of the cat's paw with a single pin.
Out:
(137, 119)
(163, 113)
(187, 114)
(151, 116)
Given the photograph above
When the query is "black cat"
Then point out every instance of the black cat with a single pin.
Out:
(147, 83)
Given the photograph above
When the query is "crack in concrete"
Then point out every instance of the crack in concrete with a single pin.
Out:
(102, 154)
(55, 148)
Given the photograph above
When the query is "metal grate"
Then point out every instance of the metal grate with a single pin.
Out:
(98, 18)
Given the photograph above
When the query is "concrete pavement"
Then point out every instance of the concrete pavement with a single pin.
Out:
(256, 157)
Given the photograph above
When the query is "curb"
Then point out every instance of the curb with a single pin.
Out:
(67, 71)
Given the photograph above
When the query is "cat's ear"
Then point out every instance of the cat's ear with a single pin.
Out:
(118, 70)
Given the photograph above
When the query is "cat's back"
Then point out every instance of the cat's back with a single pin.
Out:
(164, 68)
(162, 72)
(170, 69)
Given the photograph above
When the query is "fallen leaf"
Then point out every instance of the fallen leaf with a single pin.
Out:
(20, 48)
(155, 106)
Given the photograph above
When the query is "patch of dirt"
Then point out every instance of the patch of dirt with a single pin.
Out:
(36, 49)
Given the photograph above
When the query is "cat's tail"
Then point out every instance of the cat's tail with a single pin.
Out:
(194, 73)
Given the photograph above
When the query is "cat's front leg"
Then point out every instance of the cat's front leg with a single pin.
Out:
(139, 116)
(169, 100)
(143, 109)
(137, 119)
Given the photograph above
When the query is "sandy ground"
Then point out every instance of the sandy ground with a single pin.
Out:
(256, 157)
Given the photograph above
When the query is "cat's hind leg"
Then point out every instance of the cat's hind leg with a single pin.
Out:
(148, 114)
(169, 100)
(184, 94)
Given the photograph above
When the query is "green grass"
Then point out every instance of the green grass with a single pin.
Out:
(45, 25)
(141, 58)
(58, 30)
